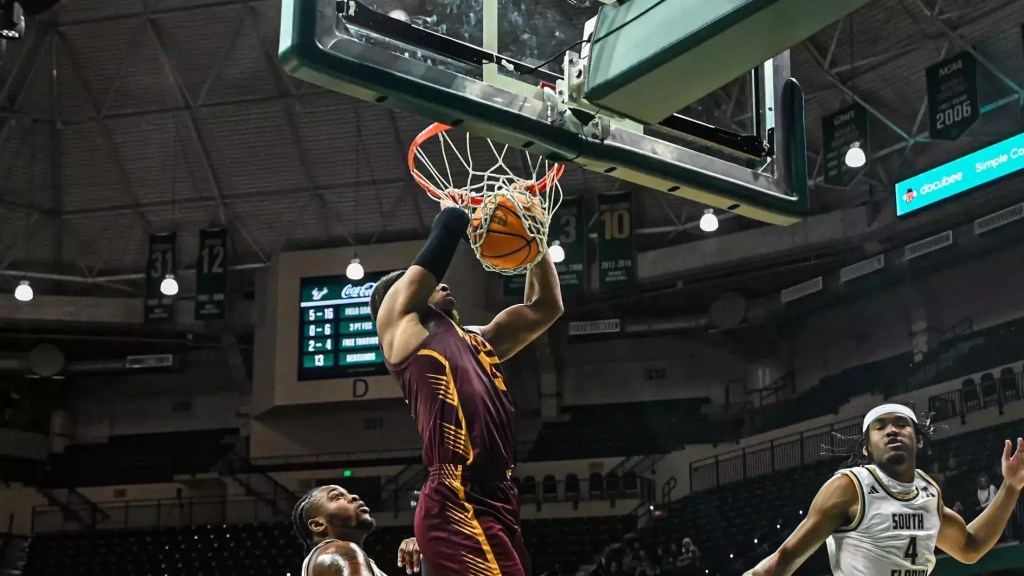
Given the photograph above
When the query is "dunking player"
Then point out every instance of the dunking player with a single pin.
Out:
(883, 517)
(467, 519)
(332, 525)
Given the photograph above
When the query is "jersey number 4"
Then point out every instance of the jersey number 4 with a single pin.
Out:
(911, 552)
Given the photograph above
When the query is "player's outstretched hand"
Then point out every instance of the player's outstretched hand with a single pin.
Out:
(456, 198)
(1013, 466)
(409, 556)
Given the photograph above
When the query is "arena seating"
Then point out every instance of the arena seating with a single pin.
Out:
(273, 550)
(139, 459)
(995, 346)
(608, 430)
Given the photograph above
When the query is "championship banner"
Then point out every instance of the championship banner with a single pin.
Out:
(162, 261)
(615, 241)
(568, 228)
(953, 102)
(212, 275)
(839, 132)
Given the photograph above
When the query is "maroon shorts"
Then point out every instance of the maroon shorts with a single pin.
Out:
(467, 524)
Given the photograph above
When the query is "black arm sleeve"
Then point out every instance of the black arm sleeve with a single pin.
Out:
(449, 227)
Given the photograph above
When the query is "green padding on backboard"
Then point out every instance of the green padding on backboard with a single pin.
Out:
(652, 58)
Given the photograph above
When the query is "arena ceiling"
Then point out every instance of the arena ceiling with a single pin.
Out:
(124, 117)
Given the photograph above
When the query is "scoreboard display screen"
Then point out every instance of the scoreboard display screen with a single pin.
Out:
(337, 336)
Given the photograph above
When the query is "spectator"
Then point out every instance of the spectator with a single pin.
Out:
(689, 557)
(952, 466)
(604, 564)
(986, 492)
(630, 562)
(935, 472)
(667, 558)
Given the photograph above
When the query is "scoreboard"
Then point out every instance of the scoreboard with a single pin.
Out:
(337, 336)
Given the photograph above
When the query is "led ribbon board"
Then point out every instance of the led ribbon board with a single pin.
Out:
(961, 175)
(337, 336)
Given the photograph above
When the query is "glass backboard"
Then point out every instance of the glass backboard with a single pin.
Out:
(517, 72)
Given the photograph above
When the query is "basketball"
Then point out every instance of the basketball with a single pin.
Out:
(506, 243)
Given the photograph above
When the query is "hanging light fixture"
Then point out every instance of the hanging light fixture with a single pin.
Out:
(169, 286)
(355, 270)
(855, 157)
(557, 252)
(709, 222)
(12, 21)
(24, 291)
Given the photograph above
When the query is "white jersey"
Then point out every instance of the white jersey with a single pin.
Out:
(305, 563)
(893, 535)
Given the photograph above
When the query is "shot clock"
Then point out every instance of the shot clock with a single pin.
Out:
(337, 336)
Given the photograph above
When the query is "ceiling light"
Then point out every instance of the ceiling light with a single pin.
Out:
(24, 291)
(354, 270)
(557, 252)
(12, 22)
(169, 286)
(709, 222)
(855, 157)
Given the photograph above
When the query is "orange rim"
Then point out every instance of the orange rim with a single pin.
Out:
(536, 187)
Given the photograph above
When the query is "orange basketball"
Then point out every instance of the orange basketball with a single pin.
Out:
(506, 242)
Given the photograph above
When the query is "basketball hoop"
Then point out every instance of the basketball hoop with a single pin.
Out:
(486, 188)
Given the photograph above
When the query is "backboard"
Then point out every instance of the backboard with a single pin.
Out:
(545, 76)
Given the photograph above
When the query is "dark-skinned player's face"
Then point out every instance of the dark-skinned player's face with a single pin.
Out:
(337, 513)
(442, 299)
(892, 440)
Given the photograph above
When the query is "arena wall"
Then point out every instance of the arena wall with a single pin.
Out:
(646, 369)
(203, 396)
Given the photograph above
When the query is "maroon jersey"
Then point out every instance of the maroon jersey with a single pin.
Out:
(455, 387)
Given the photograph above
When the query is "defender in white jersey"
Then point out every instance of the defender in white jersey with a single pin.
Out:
(882, 516)
(333, 524)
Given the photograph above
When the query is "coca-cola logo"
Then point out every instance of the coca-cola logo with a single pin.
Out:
(361, 291)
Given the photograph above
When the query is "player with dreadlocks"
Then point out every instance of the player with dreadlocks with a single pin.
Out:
(332, 525)
(882, 516)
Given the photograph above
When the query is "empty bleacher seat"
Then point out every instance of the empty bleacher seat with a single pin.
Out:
(630, 484)
(972, 399)
(612, 485)
(572, 487)
(529, 489)
(595, 485)
(549, 488)
(989, 389)
(1008, 385)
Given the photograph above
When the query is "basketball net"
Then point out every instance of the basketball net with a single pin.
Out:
(480, 187)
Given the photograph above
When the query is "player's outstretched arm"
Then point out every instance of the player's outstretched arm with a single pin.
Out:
(398, 321)
(968, 543)
(836, 504)
(515, 327)
(341, 559)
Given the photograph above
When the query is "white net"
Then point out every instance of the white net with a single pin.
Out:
(483, 186)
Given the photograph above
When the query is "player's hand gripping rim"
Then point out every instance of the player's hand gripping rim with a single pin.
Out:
(454, 198)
